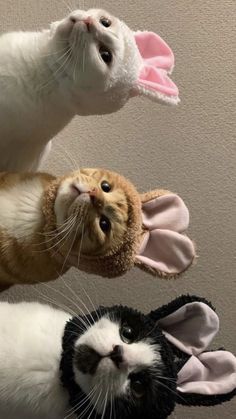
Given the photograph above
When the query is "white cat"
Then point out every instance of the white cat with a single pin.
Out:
(88, 63)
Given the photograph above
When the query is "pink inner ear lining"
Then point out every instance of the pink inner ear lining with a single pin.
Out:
(191, 329)
(210, 373)
(163, 248)
(166, 212)
(166, 251)
(178, 327)
(157, 80)
(158, 60)
(154, 50)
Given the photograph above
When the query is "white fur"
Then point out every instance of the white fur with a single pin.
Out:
(30, 352)
(21, 208)
(43, 88)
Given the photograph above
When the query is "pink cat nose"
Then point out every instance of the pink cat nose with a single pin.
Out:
(88, 22)
(96, 198)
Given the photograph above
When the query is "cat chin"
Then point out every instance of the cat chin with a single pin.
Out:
(109, 377)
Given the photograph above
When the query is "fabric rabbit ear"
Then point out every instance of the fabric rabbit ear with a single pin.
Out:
(164, 249)
(207, 377)
(157, 61)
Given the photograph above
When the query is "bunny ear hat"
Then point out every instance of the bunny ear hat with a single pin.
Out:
(204, 377)
(154, 240)
(156, 64)
(145, 70)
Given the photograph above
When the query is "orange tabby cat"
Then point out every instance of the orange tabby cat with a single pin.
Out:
(92, 219)
(45, 220)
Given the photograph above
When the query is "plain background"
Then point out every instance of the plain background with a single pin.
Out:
(189, 149)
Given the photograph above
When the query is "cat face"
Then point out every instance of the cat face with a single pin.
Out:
(100, 56)
(91, 207)
(118, 362)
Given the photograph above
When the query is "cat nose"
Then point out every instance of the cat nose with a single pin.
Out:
(96, 198)
(117, 355)
(88, 22)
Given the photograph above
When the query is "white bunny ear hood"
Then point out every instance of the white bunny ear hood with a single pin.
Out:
(147, 63)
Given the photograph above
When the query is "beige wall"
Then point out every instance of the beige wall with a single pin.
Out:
(190, 149)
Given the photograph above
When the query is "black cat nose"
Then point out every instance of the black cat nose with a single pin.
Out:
(117, 355)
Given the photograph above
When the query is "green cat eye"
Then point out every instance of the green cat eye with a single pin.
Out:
(105, 224)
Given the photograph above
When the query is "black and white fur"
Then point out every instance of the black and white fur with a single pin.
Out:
(113, 363)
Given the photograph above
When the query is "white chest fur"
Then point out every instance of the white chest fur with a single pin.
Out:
(33, 107)
(30, 352)
(21, 208)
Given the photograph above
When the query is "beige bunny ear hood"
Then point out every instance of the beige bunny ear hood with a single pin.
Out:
(155, 238)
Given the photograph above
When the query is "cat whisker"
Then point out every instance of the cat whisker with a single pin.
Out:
(82, 414)
(105, 405)
(84, 57)
(91, 302)
(169, 389)
(77, 56)
(67, 6)
(95, 405)
(72, 243)
(63, 307)
(78, 298)
(75, 165)
(61, 240)
(67, 58)
(44, 85)
(80, 248)
(54, 52)
(60, 230)
(83, 401)
(71, 301)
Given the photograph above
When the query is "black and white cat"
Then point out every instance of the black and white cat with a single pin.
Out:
(112, 363)
(88, 63)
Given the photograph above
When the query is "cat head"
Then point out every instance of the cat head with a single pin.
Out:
(104, 226)
(109, 63)
(131, 365)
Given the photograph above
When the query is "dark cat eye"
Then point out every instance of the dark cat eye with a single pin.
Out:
(105, 224)
(138, 389)
(106, 55)
(127, 334)
(106, 187)
(105, 22)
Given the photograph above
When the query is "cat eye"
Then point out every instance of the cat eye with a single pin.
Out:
(106, 55)
(104, 224)
(105, 22)
(106, 187)
(127, 334)
(137, 388)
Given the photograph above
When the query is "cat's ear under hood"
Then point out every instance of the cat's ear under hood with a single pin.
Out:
(205, 377)
(157, 62)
